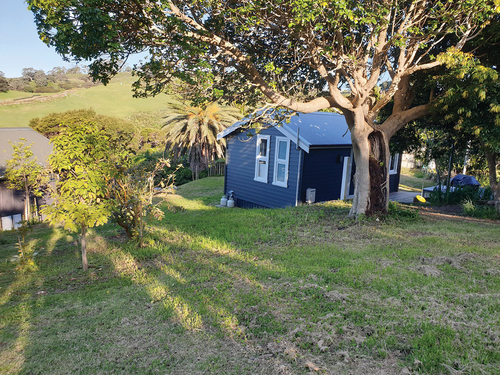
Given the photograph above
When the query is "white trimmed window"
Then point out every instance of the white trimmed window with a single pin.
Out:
(262, 158)
(393, 164)
(281, 162)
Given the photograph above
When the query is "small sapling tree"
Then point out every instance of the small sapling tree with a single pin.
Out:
(25, 248)
(82, 158)
(26, 174)
(131, 194)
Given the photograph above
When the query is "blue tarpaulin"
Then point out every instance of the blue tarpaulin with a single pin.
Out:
(464, 180)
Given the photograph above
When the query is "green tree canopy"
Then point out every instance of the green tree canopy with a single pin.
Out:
(4, 83)
(116, 129)
(83, 158)
(300, 55)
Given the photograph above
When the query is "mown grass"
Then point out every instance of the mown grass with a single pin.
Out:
(413, 180)
(233, 291)
(115, 99)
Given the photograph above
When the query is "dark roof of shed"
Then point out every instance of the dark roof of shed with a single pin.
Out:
(41, 145)
(318, 129)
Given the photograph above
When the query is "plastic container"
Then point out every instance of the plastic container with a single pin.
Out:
(223, 201)
(230, 202)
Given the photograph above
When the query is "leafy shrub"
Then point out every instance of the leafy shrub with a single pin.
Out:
(480, 212)
(182, 173)
(66, 85)
(459, 195)
(131, 192)
(47, 89)
(398, 212)
(203, 174)
(26, 250)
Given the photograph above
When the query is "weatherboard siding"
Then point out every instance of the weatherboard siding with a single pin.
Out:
(240, 159)
(322, 170)
(11, 201)
(394, 178)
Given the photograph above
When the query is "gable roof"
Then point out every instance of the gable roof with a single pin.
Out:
(41, 145)
(315, 130)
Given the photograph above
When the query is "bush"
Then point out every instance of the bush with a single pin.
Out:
(131, 192)
(460, 195)
(66, 85)
(26, 250)
(203, 174)
(182, 175)
(480, 212)
(398, 212)
(47, 89)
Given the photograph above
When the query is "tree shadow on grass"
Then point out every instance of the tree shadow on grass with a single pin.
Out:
(158, 309)
(22, 289)
(210, 293)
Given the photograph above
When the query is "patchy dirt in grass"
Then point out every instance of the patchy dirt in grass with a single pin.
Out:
(453, 261)
(429, 270)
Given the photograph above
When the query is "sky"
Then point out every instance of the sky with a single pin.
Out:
(20, 46)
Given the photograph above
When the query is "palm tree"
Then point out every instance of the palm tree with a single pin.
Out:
(192, 131)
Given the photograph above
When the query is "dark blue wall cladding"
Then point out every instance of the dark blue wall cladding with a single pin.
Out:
(11, 201)
(394, 178)
(322, 170)
(240, 171)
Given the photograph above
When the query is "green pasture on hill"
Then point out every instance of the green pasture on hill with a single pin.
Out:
(266, 291)
(115, 99)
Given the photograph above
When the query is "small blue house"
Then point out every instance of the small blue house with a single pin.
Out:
(307, 159)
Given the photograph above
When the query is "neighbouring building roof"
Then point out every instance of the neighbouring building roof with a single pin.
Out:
(315, 130)
(41, 145)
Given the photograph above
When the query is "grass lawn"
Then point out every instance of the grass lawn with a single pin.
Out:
(103, 99)
(413, 180)
(233, 291)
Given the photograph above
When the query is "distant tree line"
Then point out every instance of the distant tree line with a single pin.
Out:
(55, 80)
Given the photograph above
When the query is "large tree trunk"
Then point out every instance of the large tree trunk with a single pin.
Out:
(492, 174)
(371, 154)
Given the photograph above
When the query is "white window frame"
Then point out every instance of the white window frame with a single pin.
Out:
(396, 162)
(285, 161)
(259, 158)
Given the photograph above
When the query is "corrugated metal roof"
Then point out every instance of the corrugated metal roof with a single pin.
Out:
(318, 129)
(41, 145)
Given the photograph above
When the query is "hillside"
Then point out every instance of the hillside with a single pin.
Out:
(114, 99)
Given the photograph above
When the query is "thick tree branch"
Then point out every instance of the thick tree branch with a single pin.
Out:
(399, 119)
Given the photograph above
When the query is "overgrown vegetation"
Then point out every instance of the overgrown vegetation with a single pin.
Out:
(472, 209)
(233, 291)
(25, 248)
(131, 193)
(459, 195)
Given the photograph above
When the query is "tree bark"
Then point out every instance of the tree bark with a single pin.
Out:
(27, 211)
(492, 174)
(84, 248)
(371, 154)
